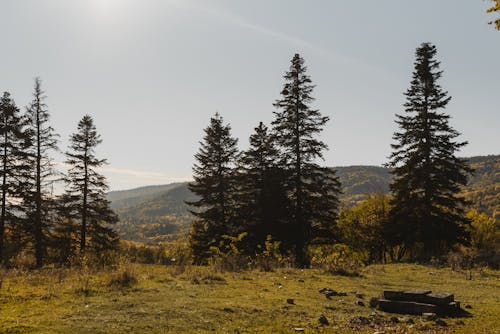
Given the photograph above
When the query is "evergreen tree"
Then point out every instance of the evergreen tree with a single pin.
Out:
(427, 174)
(40, 180)
(215, 185)
(14, 140)
(261, 199)
(85, 199)
(313, 190)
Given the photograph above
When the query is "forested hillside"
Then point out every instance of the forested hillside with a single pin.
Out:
(152, 214)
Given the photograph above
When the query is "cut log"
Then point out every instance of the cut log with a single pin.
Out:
(406, 307)
(412, 296)
(437, 298)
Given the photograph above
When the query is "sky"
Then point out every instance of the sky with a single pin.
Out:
(153, 72)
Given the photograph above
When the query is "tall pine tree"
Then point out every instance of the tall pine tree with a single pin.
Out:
(215, 185)
(427, 215)
(262, 202)
(39, 182)
(85, 198)
(313, 190)
(14, 141)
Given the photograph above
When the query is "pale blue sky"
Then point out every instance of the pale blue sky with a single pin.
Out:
(152, 72)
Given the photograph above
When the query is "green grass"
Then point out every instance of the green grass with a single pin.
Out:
(199, 300)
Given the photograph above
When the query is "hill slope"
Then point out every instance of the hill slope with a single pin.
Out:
(151, 214)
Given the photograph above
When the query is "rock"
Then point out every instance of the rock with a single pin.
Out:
(360, 303)
(467, 306)
(290, 301)
(341, 294)
(323, 320)
(460, 323)
(328, 292)
(394, 320)
(298, 329)
(360, 321)
(300, 280)
(429, 316)
(228, 309)
(360, 295)
(440, 322)
(379, 332)
(373, 302)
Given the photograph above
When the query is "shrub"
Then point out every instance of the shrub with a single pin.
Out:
(227, 256)
(338, 259)
(124, 278)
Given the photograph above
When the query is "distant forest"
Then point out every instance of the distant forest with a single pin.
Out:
(154, 214)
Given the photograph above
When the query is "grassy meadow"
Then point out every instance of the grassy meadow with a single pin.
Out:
(173, 299)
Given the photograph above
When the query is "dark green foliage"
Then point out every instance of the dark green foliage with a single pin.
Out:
(84, 205)
(215, 185)
(261, 198)
(38, 186)
(427, 216)
(312, 190)
(14, 141)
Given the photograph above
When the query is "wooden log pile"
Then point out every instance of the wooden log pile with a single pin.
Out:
(419, 302)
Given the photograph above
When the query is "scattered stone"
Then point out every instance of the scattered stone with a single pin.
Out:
(228, 309)
(408, 321)
(468, 306)
(300, 280)
(360, 295)
(290, 301)
(440, 322)
(360, 321)
(342, 294)
(460, 323)
(379, 332)
(394, 320)
(374, 302)
(328, 292)
(360, 303)
(298, 329)
(323, 320)
(429, 316)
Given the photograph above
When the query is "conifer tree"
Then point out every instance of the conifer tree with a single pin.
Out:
(313, 190)
(85, 199)
(427, 175)
(40, 180)
(14, 140)
(215, 185)
(261, 199)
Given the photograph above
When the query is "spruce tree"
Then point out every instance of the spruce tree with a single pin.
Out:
(14, 141)
(214, 184)
(427, 215)
(41, 178)
(85, 199)
(261, 199)
(313, 190)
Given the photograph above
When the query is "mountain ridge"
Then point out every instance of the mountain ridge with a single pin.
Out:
(154, 213)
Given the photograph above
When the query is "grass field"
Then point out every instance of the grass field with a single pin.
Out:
(200, 300)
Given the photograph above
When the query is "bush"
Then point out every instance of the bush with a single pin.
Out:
(338, 259)
(269, 255)
(227, 256)
(124, 278)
